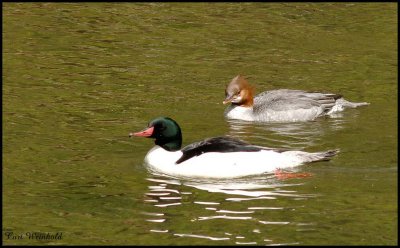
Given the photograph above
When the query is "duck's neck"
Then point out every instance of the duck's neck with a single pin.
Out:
(170, 145)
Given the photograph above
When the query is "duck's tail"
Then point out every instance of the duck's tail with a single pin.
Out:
(345, 103)
(323, 156)
(341, 104)
(307, 157)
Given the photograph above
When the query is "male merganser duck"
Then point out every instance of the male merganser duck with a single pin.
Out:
(217, 157)
(281, 105)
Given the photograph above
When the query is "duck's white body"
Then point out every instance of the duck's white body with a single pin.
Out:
(215, 157)
(228, 164)
(289, 106)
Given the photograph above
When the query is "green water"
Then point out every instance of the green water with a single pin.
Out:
(77, 78)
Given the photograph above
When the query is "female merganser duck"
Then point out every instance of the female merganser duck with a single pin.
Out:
(280, 105)
(217, 157)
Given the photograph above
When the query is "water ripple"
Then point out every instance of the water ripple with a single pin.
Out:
(200, 236)
(226, 217)
(247, 199)
(285, 135)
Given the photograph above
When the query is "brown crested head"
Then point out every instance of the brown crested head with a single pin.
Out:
(239, 92)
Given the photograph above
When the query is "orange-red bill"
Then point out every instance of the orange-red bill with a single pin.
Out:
(145, 133)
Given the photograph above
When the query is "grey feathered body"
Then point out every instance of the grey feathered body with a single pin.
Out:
(286, 105)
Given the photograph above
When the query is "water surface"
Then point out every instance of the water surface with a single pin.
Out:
(77, 78)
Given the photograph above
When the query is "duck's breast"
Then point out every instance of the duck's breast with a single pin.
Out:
(239, 113)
